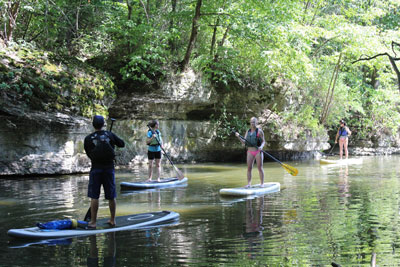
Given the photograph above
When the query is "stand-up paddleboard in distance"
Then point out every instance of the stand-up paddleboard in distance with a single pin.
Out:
(341, 161)
(128, 222)
(165, 182)
(253, 190)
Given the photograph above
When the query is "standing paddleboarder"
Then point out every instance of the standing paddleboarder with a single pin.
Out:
(255, 143)
(154, 143)
(343, 134)
(99, 146)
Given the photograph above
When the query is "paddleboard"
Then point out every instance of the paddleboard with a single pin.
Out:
(22, 243)
(341, 161)
(128, 222)
(253, 190)
(165, 182)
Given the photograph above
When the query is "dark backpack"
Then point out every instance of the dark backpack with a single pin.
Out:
(103, 150)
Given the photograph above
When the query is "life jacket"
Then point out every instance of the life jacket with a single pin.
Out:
(253, 139)
(343, 132)
(103, 150)
(154, 142)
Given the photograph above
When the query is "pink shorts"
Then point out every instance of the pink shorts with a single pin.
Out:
(254, 153)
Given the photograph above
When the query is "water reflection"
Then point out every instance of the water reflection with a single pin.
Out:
(51, 242)
(339, 214)
(344, 185)
(253, 233)
(108, 253)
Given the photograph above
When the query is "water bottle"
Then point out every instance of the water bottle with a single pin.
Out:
(79, 224)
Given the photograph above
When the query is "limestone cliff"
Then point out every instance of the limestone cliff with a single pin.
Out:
(37, 142)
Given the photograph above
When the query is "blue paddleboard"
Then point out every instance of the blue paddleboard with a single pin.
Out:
(165, 182)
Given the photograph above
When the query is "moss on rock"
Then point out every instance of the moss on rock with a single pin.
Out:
(40, 80)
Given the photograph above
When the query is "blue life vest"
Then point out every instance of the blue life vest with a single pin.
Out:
(343, 132)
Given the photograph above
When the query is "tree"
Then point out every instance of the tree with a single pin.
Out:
(10, 20)
(193, 35)
(392, 60)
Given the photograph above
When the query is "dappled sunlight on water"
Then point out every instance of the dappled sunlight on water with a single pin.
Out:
(328, 213)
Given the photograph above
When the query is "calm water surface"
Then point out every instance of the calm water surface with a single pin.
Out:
(341, 214)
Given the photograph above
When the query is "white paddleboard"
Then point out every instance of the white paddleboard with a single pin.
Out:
(165, 182)
(253, 190)
(341, 161)
(128, 222)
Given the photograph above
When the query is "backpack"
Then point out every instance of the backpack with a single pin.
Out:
(103, 150)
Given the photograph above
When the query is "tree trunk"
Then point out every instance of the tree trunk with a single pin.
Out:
(221, 43)
(331, 89)
(171, 26)
(12, 13)
(193, 36)
(129, 4)
(214, 37)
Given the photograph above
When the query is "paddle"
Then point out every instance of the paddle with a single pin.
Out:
(290, 169)
(179, 174)
(88, 213)
(326, 155)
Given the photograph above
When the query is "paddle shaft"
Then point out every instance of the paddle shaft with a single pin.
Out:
(293, 171)
(266, 153)
(180, 174)
(88, 213)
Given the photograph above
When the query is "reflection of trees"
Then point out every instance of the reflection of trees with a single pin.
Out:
(347, 223)
(47, 198)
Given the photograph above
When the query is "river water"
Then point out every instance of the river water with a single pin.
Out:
(343, 214)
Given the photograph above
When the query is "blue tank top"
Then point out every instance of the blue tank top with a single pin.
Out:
(343, 132)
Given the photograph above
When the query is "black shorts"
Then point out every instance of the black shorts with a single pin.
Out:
(153, 155)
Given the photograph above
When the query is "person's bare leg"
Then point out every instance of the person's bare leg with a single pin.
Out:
(112, 204)
(259, 160)
(94, 207)
(150, 169)
(250, 162)
(346, 142)
(341, 144)
(158, 167)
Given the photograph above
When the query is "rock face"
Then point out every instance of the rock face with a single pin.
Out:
(184, 105)
(39, 143)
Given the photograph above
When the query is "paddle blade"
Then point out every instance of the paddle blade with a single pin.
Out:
(290, 169)
(179, 174)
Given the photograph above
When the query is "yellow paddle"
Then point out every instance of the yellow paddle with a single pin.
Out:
(290, 169)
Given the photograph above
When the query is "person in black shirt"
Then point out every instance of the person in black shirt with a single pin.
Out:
(99, 146)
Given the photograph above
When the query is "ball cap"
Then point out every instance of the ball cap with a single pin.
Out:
(98, 121)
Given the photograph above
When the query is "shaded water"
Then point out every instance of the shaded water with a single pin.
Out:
(340, 214)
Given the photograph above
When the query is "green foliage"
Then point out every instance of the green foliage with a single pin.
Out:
(226, 123)
(147, 67)
(45, 83)
(256, 43)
